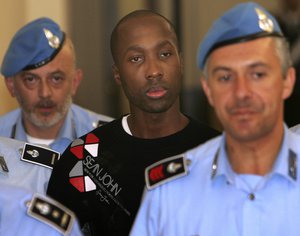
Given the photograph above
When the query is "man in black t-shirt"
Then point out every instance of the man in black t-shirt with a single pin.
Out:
(101, 175)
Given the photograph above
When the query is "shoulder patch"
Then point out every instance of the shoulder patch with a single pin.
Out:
(165, 170)
(39, 155)
(51, 213)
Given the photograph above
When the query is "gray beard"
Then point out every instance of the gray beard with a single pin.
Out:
(47, 123)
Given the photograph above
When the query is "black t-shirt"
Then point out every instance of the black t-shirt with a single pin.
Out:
(100, 176)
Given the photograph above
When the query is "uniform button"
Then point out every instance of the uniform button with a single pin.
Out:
(251, 196)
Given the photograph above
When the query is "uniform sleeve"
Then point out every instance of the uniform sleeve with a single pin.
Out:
(148, 218)
(25, 213)
(76, 231)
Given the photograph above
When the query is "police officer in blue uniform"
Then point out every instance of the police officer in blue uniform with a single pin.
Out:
(23, 213)
(40, 71)
(246, 181)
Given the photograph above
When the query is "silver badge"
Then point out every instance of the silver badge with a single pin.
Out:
(265, 23)
(173, 167)
(33, 153)
(53, 40)
(44, 208)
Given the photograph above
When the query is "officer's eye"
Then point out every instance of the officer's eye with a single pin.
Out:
(30, 81)
(259, 75)
(224, 78)
(56, 79)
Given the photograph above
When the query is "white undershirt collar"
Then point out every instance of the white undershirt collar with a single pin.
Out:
(125, 124)
(39, 141)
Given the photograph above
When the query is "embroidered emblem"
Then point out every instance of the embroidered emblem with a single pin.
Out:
(165, 171)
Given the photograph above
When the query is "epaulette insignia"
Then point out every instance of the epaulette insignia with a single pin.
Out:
(165, 170)
(51, 213)
(39, 155)
(3, 165)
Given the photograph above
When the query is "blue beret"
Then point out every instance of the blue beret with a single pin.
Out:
(246, 21)
(34, 45)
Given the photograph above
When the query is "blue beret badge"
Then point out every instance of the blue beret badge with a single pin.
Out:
(264, 22)
(53, 40)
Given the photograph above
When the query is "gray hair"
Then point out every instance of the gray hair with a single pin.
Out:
(282, 49)
(69, 43)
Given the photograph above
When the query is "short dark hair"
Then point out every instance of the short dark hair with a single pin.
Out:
(136, 14)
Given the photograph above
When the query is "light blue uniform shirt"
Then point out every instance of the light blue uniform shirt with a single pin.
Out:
(20, 173)
(14, 220)
(221, 202)
(79, 121)
(296, 129)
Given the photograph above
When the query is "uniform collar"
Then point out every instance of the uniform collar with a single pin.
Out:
(221, 164)
(18, 131)
(285, 164)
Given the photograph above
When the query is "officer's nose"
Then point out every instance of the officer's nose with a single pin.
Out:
(243, 88)
(45, 89)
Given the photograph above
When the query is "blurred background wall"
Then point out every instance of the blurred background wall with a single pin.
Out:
(90, 22)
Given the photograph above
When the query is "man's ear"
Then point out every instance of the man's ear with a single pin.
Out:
(289, 83)
(116, 74)
(206, 90)
(76, 81)
(9, 82)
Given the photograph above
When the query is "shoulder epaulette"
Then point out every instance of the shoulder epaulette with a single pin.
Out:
(39, 155)
(51, 213)
(165, 170)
